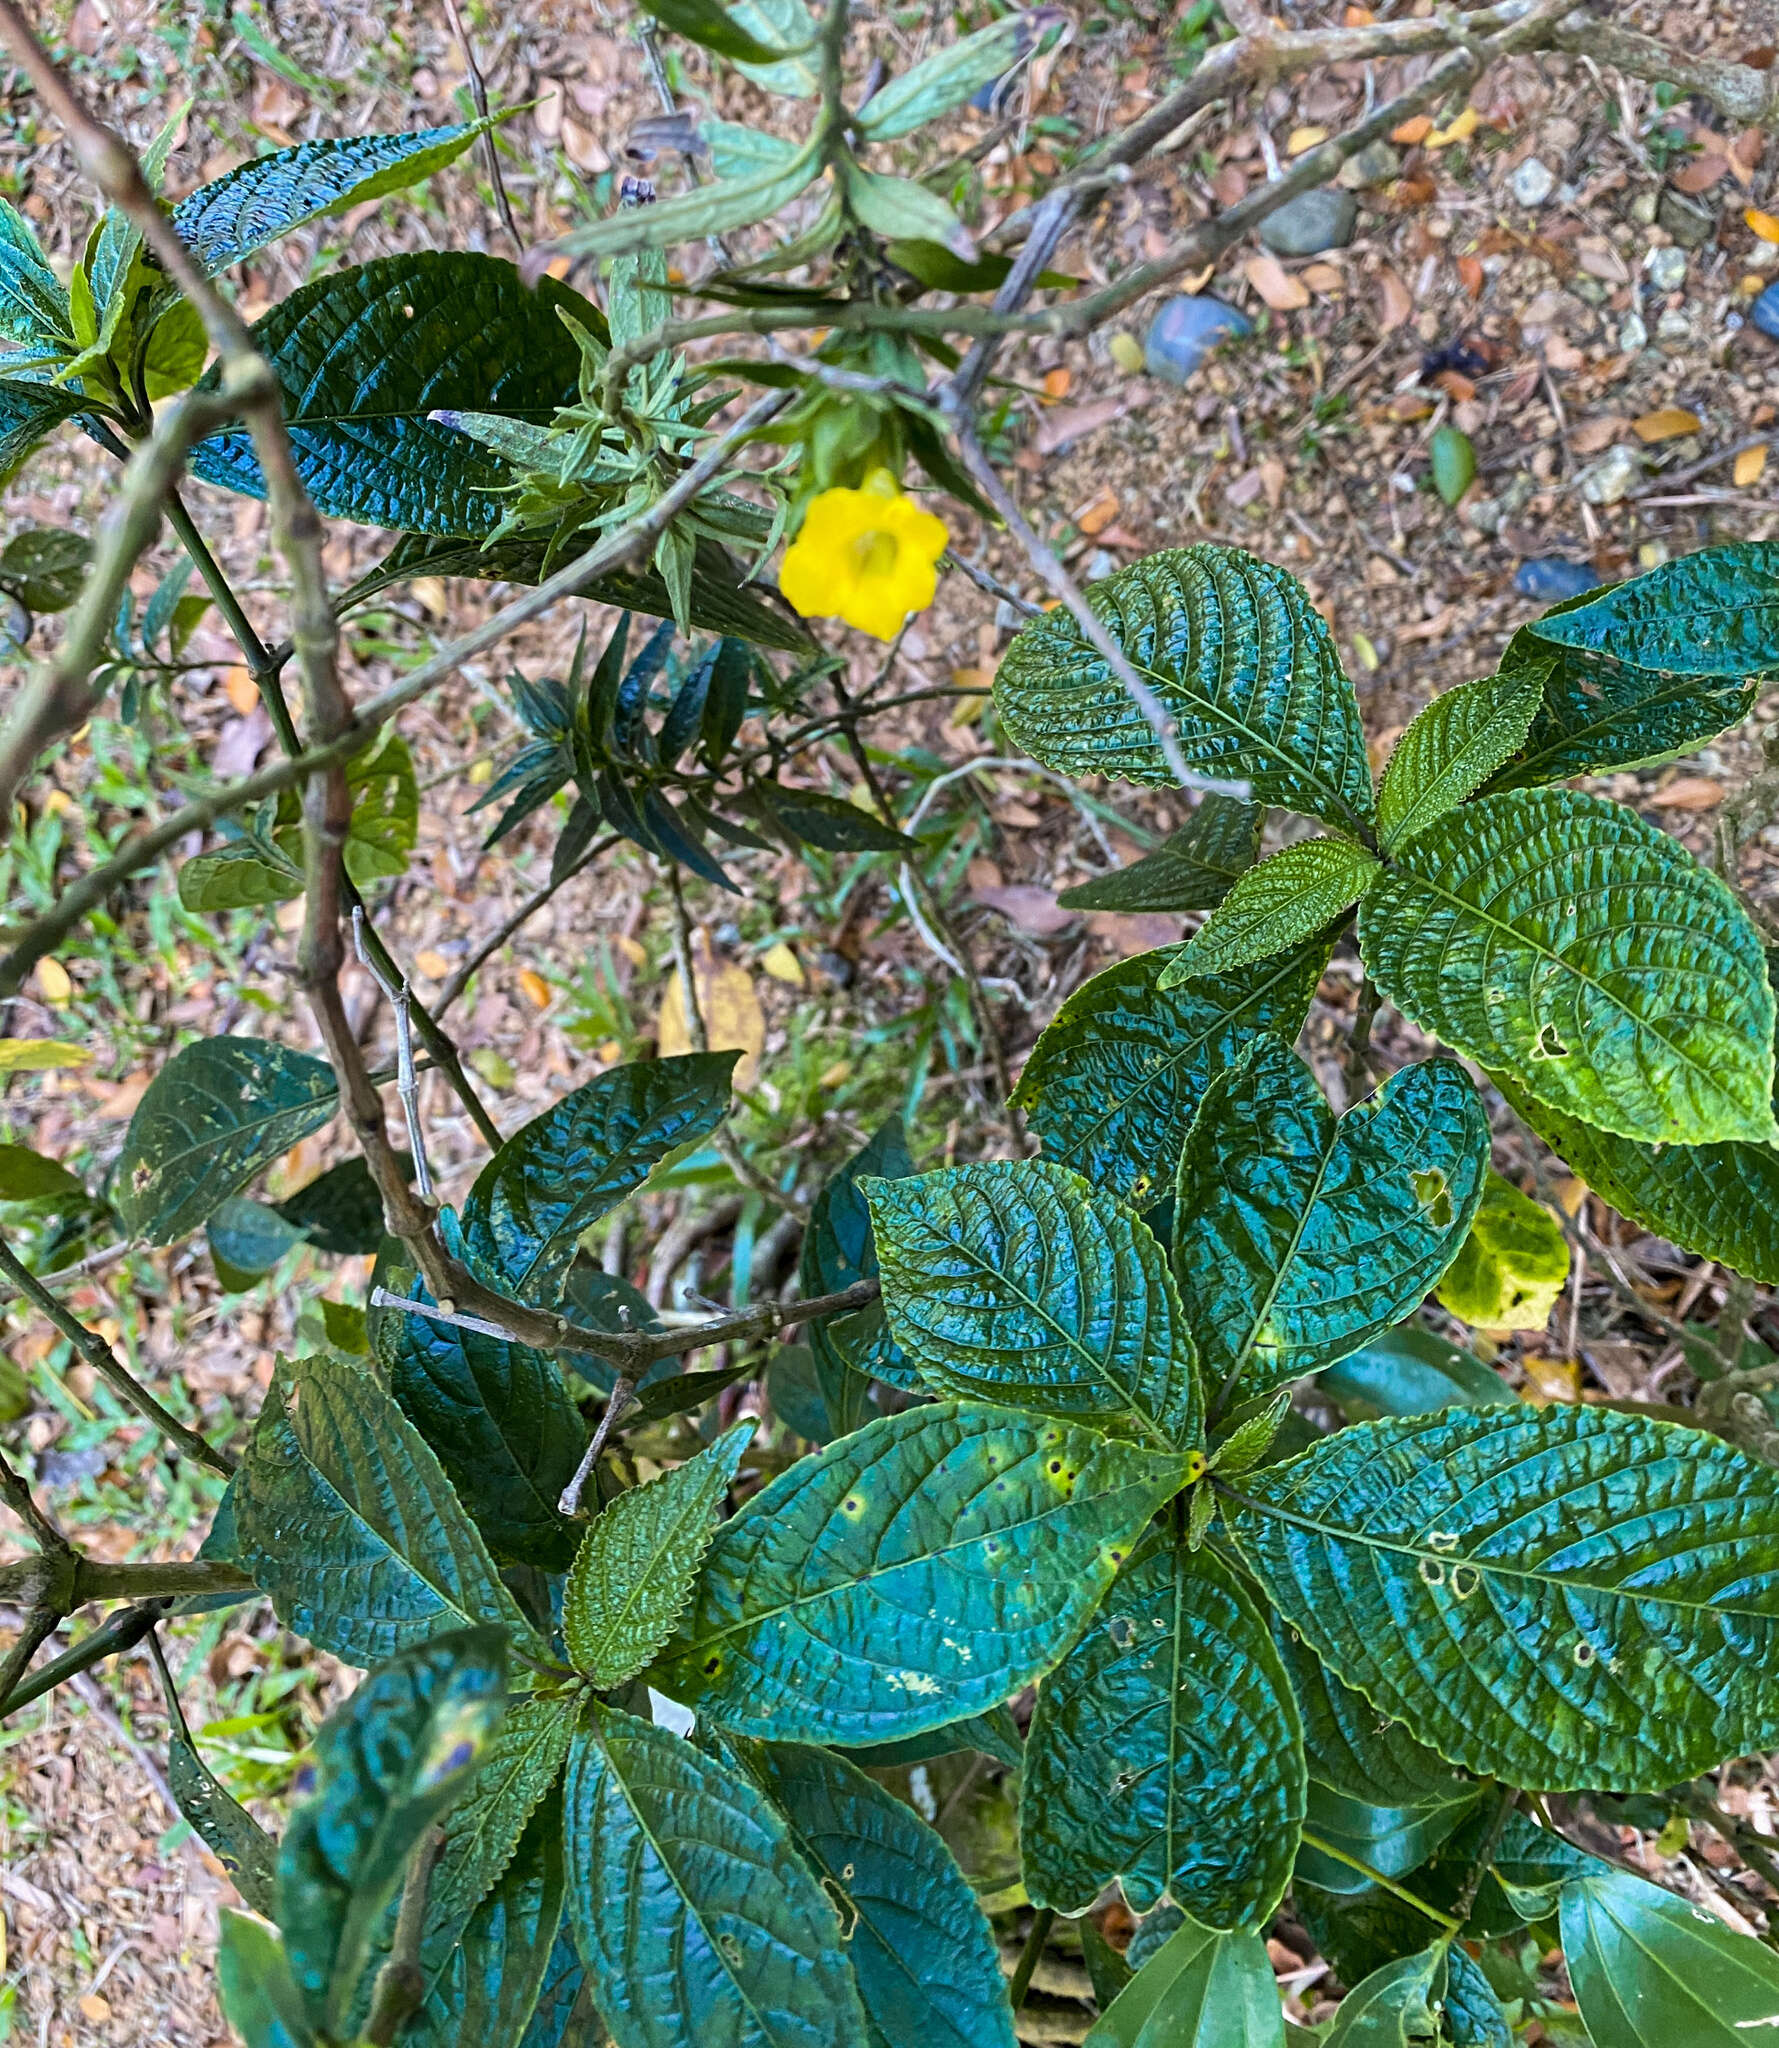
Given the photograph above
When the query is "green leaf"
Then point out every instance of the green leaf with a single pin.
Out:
(26, 1176)
(176, 351)
(1289, 897)
(387, 1765)
(634, 1571)
(1720, 1200)
(1473, 2016)
(1652, 1971)
(811, 817)
(1353, 1749)
(949, 78)
(564, 2015)
(44, 567)
(1236, 652)
(33, 303)
(1454, 463)
(713, 209)
(221, 1823)
(346, 1520)
(1297, 1235)
(919, 1571)
(247, 1239)
(1409, 1371)
(224, 222)
(385, 824)
(1117, 1075)
(1561, 1597)
(903, 209)
(218, 1113)
(1715, 613)
(364, 357)
(1579, 949)
(1452, 748)
(518, 1768)
(922, 1952)
(1395, 2007)
(1528, 1870)
(699, 1922)
(1512, 1266)
(1166, 1752)
(502, 1422)
(30, 413)
(838, 1250)
(738, 151)
(1390, 1839)
(241, 875)
(714, 28)
(1193, 868)
(339, 1211)
(1199, 1990)
(1017, 1281)
(787, 25)
(254, 1986)
(562, 1171)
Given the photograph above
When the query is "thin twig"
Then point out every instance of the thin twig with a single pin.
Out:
(407, 1083)
(1021, 1980)
(478, 93)
(619, 1402)
(401, 1983)
(460, 980)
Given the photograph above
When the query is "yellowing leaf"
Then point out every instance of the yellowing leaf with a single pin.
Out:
(433, 965)
(1750, 466)
(493, 1067)
(1512, 1267)
(1126, 351)
(733, 1019)
(53, 979)
(1301, 139)
(536, 989)
(1666, 424)
(1460, 130)
(38, 1055)
(782, 964)
(1766, 225)
(238, 687)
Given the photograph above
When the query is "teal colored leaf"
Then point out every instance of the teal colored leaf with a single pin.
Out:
(1200, 1989)
(1117, 1075)
(712, 209)
(1166, 1752)
(1528, 1869)
(501, 1421)
(787, 25)
(345, 1518)
(924, 1955)
(707, 23)
(29, 413)
(562, 1171)
(1395, 2007)
(224, 222)
(1719, 1200)
(1298, 1236)
(33, 302)
(1653, 1971)
(1193, 868)
(387, 1765)
(1715, 613)
(1017, 1281)
(518, 1767)
(994, 1734)
(1472, 2016)
(242, 875)
(916, 1573)
(563, 2016)
(1354, 1750)
(254, 1986)
(838, 1250)
(364, 357)
(699, 1922)
(247, 1239)
(1561, 1597)
(949, 78)
(1409, 1371)
(635, 1568)
(1452, 748)
(1288, 897)
(1390, 1839)
(1236, 652)
(1566, 942)
(218, 1113)
(221, 1823)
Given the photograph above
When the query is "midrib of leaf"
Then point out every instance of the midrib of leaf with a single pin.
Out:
(642, 1583)
(1266, 1306)
(214, 1142)
(1680, 689)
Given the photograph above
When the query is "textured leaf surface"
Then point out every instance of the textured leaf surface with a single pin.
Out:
(1513, 1265)
(1715, 613)
(1721, 1200)
(1409, 1371)
(1235, 650)
(1558, 1597)
(1117, 1075)
(701, 1925)
(1565, 941)
(913, 1574)
(364, 356)
(1452, 748)
(566, 1168)
(1200, 1989)
(635, 1567)
(33, 303)
(222, 1824)
(838, 1249)
(1395, 2007)
(387, 1764)
(1285, 899)
(29, 413)
(1652, 1971)
(1296, 1235)
(1393, 1839)
(345, 1518)
(239, 876)
(924, 1955)
(1352, 1748)
(712, 209)
(225, 221)
(517, 1769)
(1193, 869)
(1017, 1281)
(219, 1112)
(1166, 1752)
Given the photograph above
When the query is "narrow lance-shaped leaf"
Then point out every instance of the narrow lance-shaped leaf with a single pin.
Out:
(1289, 896)
(636, 1565)
(1016, 1281)
(1581, 950)
(222, 1824)
(1166, 1752)
(913, 1574)
(1298, 1235)
(1557, 1597)
(1200, 1989)
(949, 78)
(1193, 868)
(1451, 749)
(709, 210)
(701, 1925)
(1117, 1075)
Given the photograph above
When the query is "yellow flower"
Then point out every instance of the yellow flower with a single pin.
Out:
(865, 556)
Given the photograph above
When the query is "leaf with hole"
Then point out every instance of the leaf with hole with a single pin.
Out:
(1287, 898)
(1567, 942)
(1452, 748)
(1192, 869)
(1239, 656)
(961, 1549)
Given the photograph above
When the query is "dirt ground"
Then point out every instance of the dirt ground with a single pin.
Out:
(1557, 336)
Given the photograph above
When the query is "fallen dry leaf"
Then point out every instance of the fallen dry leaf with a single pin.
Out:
(1666, 424)
(1395, 303)
(1750, 466)
(1593, 435)
(1416, 129)
(1032, 910)
(733, 1019)
(1275, 284)
(1301, 139)
(1766, 225)
(433, 965)
(1459, 130)
(53, 980)
(1057, 382)
(1471, 275)
(1069, 422)
(238, 687)
(1324, 277)
(1099, 511)
(1701, 174)
(1689, 793)
(1551, 1379)
(782, 964)
(536, 990)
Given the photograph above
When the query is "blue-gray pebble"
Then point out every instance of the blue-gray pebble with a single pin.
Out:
(1554, 577)
(1765, 311)
(1185, 331)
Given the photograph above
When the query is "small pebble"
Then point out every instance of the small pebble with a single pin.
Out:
(1184, 333)
(1667, 269)
(1310, 223)
(1688, 222)
(1612, 478)
(1533, 182)
(1764, 313)
(1674, 328)
(1376, 164)
(1633, 333)
(1551, 578)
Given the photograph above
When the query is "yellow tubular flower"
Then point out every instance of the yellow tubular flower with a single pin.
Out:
(865, 556)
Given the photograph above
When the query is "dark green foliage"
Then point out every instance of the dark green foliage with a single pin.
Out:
(1193, 869)
(839, 1249)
